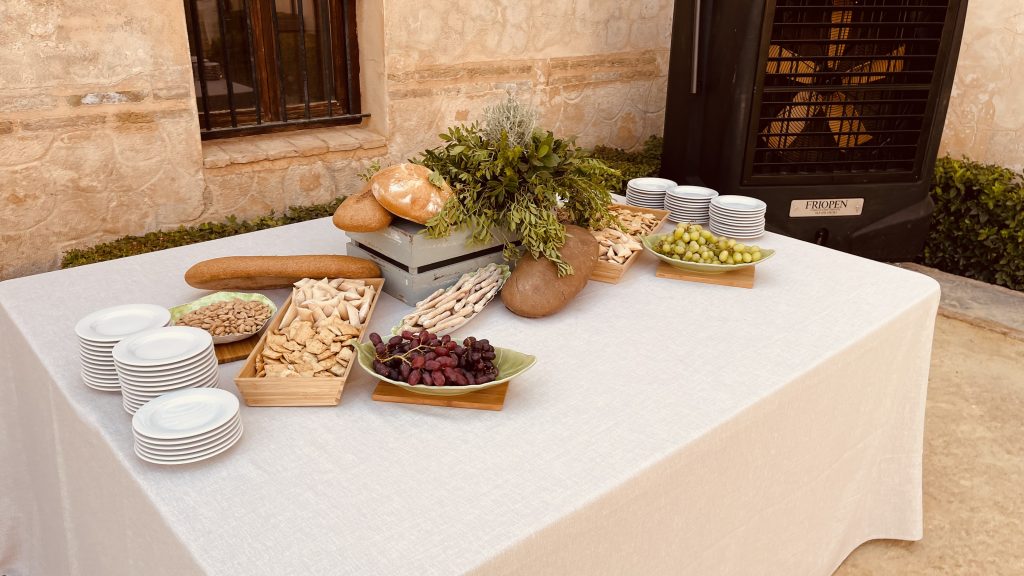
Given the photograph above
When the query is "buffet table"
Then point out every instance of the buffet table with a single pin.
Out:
(667, 428)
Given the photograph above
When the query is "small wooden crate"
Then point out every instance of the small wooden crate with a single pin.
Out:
(611, 272)
(296, 391)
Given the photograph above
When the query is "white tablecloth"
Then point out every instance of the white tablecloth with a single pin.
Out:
(668, 428)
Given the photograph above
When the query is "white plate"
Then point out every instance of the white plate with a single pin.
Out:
(183, 448)
(114, 323)
(650, 184)
(739, 203)
(729, 224)
(189, 460)
(202, 359)
(185, 413)
(231, 438)
(179, 365)
(184, 371)
(150, 393)
(692, 192)
(722, 226)
(736, 236)
(197, 438)
(162, 346)
(95, 350)
(102, 388)
(736, 213)
(99, 374)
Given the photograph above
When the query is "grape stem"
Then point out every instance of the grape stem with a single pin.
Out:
(402, 357)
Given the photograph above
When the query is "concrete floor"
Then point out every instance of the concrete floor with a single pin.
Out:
(973, 463)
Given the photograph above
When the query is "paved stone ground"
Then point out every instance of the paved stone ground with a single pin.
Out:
(974, 444)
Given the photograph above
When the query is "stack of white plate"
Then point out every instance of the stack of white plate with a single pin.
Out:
(156, 362)
(186, 426)
(648, 192)
(739, 217)
(100, 331)
(689, 203)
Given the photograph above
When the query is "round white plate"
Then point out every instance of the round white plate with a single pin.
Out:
(102, 388)
(99, 374)
(98, 367)
(197, 438)
(162, 346)
(692, 192)
(722, 226)
(736, 213)
(149, 392)
(95, 350)
(758, 222)
(186, 371)
(730, 224)
(739, 203)
(735, 236)
(114, 323)
(209, 453)
(185, 413)
(204, 358)
(214, 439)
(650, 184)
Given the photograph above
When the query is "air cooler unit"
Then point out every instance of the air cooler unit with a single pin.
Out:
(830, 111)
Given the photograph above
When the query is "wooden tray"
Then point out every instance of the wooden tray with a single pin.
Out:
(234, 351)
(486, 399)
(740, 278)
(612, 273)
(296, 391)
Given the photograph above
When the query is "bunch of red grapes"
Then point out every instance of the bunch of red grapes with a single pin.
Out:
(425, 358)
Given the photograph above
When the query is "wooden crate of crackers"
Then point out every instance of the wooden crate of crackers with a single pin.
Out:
(620, 250)
(305, 355)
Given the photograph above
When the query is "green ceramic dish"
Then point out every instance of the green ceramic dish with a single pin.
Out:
(700, 267)
(510, 364)
(178, 311)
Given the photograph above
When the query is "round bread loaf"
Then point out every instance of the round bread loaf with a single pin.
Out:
(535, 290)
(405, 190)
(361, 213)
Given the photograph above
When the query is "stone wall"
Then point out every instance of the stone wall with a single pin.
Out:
(97, 126)
(98, 129)
(986, 113)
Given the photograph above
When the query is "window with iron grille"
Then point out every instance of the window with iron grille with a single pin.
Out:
(271, 65)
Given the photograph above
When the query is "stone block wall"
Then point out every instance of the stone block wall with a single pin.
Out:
(986, 111)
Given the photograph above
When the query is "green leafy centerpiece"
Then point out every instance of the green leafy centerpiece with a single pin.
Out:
(507, 174)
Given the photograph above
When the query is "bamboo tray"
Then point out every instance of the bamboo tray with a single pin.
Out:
(612, 273)
(298, 390)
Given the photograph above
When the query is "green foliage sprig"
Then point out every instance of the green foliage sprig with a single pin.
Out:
(977, 228)
(499, 184)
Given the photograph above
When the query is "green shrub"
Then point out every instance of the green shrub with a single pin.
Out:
(644, 162)
(184, 235)
(978, 226)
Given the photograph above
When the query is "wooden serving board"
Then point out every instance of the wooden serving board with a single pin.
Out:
(234, 351)
(740, 278)
(487, 399)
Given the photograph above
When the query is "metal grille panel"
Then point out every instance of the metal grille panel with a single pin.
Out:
(846, 86)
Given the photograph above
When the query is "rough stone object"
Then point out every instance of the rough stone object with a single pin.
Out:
(362, 213)
(405, 190)
(535, 290)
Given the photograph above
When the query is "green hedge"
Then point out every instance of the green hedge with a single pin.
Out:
(184, 235)
(978, 226)
(644, 162)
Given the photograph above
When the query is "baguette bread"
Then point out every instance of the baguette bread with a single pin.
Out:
(265, 272)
